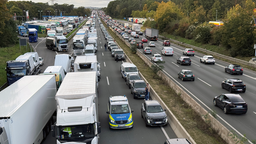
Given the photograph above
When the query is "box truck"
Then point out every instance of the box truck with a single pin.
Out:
(151, 34)
(27, 108)
(77, 110)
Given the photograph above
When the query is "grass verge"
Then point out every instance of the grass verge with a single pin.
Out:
(42, 35)
(75, 29)
(9, 53)
(199, 130)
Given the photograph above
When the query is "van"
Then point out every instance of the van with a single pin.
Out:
(128, 68)
(133, 33)
(59, 73)
(63, 60)
(93, 41)
(89, 50)
(35, 58)
(167, 51)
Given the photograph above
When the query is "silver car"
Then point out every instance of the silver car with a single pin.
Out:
(147, 50)
(151, 44)
(153, 113)
(130, 78)
(189, 51)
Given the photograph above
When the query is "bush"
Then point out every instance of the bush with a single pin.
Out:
(133, 48)
(155, 69)
(189, 31)
(216, 34)
(181, 31)
(202, 34)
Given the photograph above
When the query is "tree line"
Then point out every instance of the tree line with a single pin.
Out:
(190, 19)
(8, 26)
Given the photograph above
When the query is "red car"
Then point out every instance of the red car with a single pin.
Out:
(144, 40)
(166, 43)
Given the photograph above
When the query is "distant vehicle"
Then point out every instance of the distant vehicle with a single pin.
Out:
(151, 44)
(230, 103)
(133, 42)
(61, 43)
(233, 85)
(139, 44)
(144, 40)
(186, 75)
(128, 68)
(207, 59)
(166, 43)
(136, 28)
(156, 58)
(22, 31)
(167, 51)
(147, 50)
(130, 39)
(119, 54)
(63, 60)
(234, 69)
(58, 72)
(32, 34)
(138, 88)
(189, 51)
(184, 60)
(153, 113)
(140, 33)
(119, 113)
(151, 34)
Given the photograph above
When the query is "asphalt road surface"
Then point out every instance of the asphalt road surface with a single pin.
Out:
(111, 83)
(207, 85)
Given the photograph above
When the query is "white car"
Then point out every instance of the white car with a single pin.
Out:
(41, 61)
(156, 58)
(151, 44)
(207, 59)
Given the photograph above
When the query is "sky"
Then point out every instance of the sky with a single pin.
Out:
(77, 3)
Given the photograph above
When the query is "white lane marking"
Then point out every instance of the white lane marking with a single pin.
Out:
(197, 56)
(100, 42)
(205, 105)
(204, 82)
(38, 44)
(102, 54)
(220, 65)
(101, 47)
(254, 112)
(104, 64)
(249, 76)
(107, 80)
(167, 137)
(196, 64)
(175, 64)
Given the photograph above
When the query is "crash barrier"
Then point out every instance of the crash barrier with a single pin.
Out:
(179, 130)
(223, 132)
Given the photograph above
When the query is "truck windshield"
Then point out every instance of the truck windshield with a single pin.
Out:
(78, 45)
(76, 133)
(23, 30)
(120, 109)
(89, 51)
(32, 34)
(51, 34)
(16, 72)
(131, 69)
(62, 41)
(139, 85)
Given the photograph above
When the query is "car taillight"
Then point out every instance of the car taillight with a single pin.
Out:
(241, 69)
(154, 58)
(193, 75)
(233, 69)
(164, 51)
(172, 51)
(183, 75)
(183, 60)
(193, 51)
(145, 50)
(233, 85)
(190, 60)
(150, 50)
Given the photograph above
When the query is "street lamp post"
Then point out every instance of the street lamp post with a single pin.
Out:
(24, 16)
(40, 13)
(216, 14)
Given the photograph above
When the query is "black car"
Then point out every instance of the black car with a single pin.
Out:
(186, 75)
(140, 33)
(231, 103)
(130, 78)
(153, 113)
(184, 60)
(234, 69)
(233, 85)
(138, 89)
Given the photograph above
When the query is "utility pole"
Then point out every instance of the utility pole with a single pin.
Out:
(40, 13)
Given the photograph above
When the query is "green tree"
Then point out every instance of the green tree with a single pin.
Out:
(216, 10)
(198, 16)
(4, 15)
(15, 9)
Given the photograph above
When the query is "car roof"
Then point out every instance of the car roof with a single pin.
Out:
(156, 54)
(168, 48)
(127, 64)
(184, 57)
(152, 102)
(186, 70)
(236, 65)
(118, 100)
(235, 80)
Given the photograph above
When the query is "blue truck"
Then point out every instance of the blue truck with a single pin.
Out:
(32, 34)
(22, 31)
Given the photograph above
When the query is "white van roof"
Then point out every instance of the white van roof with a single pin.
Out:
(82, 59)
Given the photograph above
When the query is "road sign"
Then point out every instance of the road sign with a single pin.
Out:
(23, 42)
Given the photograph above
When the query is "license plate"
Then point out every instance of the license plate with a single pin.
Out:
(237, 70)
(188, 75)
(142, 95)
(122, 125)
(239, 106)
(239, 89)
(158, 122)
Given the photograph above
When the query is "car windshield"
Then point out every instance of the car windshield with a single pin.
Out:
(188, 72)
(78, 45)
(76, 133)
(140, 85)
(119, 52)
(237, 67)
(16, 72)
(89, 51)
(152, 43)
(134, 77)
(32, 34)
(157, 56)
(186, 59)
(51, 34)
(131, 69)
(190, 50)
(154, 109)
(236, 99)
(238, 83)
(209, 57)
(120, 109)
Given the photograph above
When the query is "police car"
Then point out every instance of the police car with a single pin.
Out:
(120, 113)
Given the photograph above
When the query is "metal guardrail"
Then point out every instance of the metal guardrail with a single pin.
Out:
(3, 86)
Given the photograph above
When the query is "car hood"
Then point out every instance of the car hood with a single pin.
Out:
(139, 89)
(157, 115)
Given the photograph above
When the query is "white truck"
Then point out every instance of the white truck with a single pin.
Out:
(79, 45)
(59, 31)
(35, 59)
(61, 43)
(89, 50)
(87, 63)
(63, 60)
(27, 108)
(136, 28)
(77, 110)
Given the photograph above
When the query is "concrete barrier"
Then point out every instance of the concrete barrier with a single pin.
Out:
(179, 130)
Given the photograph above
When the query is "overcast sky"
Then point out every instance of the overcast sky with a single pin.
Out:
(77, 3)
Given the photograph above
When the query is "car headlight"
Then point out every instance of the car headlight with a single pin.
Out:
(165, 119)
(112, 121)
(130, 119)
(148, 119)
(135, 91)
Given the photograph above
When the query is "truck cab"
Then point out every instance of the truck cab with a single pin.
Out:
(16, 70)
(61, 43)
(78, 45)
(119, 113)
(32, 34)
(59, 31)
(22, 31)
(89, 50)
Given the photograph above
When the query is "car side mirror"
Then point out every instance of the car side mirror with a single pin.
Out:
(132, 110)
(107, 112)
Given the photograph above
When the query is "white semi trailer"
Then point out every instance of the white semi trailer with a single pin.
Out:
(27, 108)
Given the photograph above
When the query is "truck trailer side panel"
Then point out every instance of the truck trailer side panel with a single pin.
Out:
(26, 107)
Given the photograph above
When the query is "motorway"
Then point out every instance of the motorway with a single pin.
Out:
(111, 83)
(208, 84)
